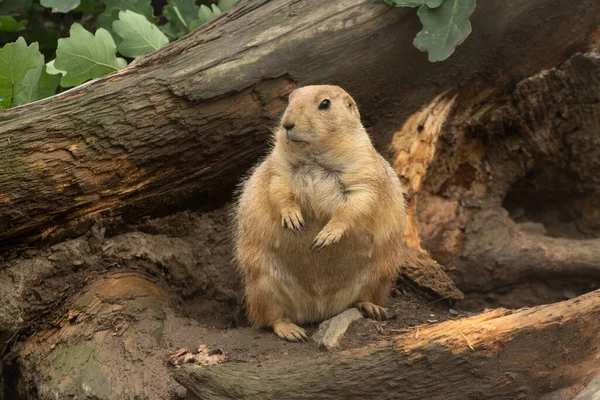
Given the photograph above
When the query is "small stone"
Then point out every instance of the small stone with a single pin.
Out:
(330, 331)
(591, 391)
(534, 228)
(453, 311)
(470, 201)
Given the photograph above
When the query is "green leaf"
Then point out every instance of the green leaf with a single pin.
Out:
(9, 24)
(111, 14)
(52, 70)
(225, 5)
(444, 28)
(139, 35)
(180, 13)
(16, 59)
(48, 83)
(85, 56)
(106, 21)
(60, 6)
(168, 30)
(143, 7)
(205, 14)
(415, 3)
(29, 89)
(37, 84)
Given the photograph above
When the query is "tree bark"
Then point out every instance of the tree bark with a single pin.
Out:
(546, 352)
(97, 316)
(506, 189)
(180, 126)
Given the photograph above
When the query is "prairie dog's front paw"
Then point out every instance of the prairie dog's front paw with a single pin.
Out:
(330, 234)
(291, 218)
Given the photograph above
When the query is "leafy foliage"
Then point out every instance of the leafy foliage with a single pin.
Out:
(445, 25)
(9, 24)
(29, 89)
(225, 5)
(16, 81)
(85, 56)
(143, 7)
(113, 7)
(205, 14)
(139, 35)
(61, 6)
(130, 26)
(180, 14)
(125, 27)
(48, 84)
(52, 70)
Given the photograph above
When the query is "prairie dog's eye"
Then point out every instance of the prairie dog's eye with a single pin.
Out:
(325, 104)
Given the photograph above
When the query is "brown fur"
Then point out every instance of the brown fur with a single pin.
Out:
(325, 175)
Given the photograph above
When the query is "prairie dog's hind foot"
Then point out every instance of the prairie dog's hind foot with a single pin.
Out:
(289, 331)
(372, 311)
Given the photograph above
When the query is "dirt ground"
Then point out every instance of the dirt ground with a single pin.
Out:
(101, 311)
(108, 306)
(249, 344)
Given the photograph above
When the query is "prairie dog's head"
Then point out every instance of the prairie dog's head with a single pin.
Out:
(315, 113)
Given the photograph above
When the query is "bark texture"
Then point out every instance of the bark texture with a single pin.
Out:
(546, 352)
(491, 149)
(180, 126)
(510, 193)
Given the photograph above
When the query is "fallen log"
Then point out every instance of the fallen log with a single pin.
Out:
(546, 352)
(189, 252)
(505, 190)
(519, 256)
(106, 330)
(177, 128)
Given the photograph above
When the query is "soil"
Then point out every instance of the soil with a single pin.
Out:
(130, 298)
(118, 303)
(248, 344)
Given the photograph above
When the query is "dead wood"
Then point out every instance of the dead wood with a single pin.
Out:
(423, 271)
(543, 352)
(505, 189)
(103, 347)
(518, 256)
(189, 252)
(179, 127)
(139, 298)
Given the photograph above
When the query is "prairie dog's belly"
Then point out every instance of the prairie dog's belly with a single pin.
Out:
(322, 284)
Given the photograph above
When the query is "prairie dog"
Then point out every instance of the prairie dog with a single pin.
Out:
(319, 223)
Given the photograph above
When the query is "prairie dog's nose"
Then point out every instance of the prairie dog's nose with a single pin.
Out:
(288, 121)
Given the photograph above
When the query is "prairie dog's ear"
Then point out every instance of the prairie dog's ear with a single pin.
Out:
(351, 105)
